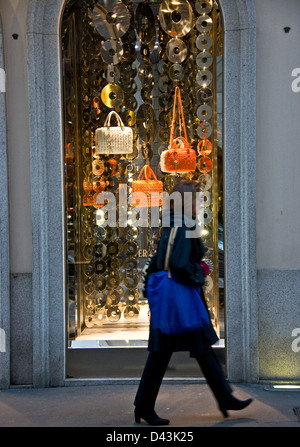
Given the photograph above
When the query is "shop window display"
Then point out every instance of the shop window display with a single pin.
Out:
(128, 57)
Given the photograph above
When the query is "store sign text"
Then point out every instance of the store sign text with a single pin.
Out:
(296, 82)
(296, 341)
(2, 340)
(2, 81)
(110, 210)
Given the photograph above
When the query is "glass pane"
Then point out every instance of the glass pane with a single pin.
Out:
(128, 57)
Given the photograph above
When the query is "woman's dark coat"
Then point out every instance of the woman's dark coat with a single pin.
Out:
(185, 258)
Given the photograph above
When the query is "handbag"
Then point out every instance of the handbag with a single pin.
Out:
(205, 268)
(204, 146)
(146, 190)
(175, 307)
(179, 157)
(114, 139)
(204, 149)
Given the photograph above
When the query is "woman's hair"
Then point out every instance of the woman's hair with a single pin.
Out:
(182, 187)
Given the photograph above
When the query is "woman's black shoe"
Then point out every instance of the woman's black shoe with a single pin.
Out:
(233, 404)
(150, 417)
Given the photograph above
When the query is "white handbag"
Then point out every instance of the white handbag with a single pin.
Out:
(114, 139)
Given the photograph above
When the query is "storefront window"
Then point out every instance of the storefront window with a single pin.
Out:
(128, 57)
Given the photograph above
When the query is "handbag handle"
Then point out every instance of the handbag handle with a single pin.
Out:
(144, 173)
(203, 131)
(177, 97)
(204, 142)
(169, 248)
(108, 118)
(183, 143)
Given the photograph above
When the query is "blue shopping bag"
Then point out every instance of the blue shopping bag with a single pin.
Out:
(175, 307)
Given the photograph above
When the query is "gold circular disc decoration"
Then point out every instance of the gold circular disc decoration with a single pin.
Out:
(145, 73)
(131, 262)
(132, 281)
(130, 101)
(131, 296)
(204, 164)
(204, 95)
(164, 134)
(205, 182)
(100, 299)
(204, 59)
(131, 248)
(100, 282)
(204, 24)
(100, 250)
(112, 73)
(204, 42)
(161, 66)
(145, 23)
(165, 101)
(128, 117)
(131, 313)
(204, 7)
(113, 248)
(113, 314)
(112, 96)
(176, 17)
(111, 52)
(147, 151)
(176, 50)
(163, 84)
(204, 78)
(98, 168)
(207, 216)
(165, 118)
(146, 122)
(90, 320)
(100, 266)
(176, 72)
(207, 131)
(111, 18)
(204, 112)
(113, 297)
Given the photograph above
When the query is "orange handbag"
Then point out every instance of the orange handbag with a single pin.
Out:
(147, 190)
(204, 149)
(204, 146)
(179, 157)
(88, 199)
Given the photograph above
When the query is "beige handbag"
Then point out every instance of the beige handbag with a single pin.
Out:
(114, 139)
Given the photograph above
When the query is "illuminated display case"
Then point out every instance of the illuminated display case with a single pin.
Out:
(128, 57)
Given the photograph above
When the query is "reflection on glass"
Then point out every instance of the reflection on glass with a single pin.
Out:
(129, 62)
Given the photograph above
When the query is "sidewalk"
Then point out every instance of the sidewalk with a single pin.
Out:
(111, 405)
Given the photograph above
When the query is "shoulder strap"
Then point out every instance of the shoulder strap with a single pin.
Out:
(169, 248)
(177, 98)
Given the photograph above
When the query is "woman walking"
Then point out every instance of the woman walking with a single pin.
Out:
(184, 264)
